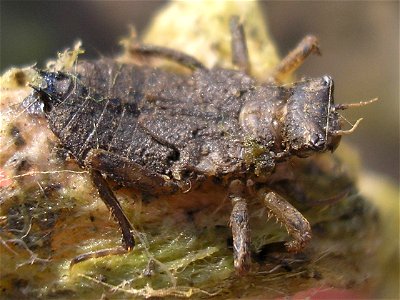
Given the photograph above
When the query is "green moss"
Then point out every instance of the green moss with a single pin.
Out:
(183, 241)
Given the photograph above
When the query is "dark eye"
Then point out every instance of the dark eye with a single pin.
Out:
(317, 141)
(327, 80)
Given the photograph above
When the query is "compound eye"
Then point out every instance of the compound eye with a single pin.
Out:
(327, 80)
(317, 141)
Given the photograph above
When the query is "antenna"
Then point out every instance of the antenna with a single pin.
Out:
(350, 105)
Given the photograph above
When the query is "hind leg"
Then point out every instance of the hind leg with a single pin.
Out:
(240, 56)
(166, 53)
(126, 172)
(117, 212)
(129, 173)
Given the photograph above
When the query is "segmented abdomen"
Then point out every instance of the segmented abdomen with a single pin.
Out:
(102, 112)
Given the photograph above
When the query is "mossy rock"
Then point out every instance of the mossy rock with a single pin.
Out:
(51, 213)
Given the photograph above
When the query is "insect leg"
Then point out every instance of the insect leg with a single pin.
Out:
(240, 54)
(295, 58)
(117, 212)
(128, 172)
(166, 53)
(115, 208)
(296, 225)
(239, 222)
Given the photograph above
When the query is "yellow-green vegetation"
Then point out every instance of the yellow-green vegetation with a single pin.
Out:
(253, 152)
(50, 212)
(201, 29)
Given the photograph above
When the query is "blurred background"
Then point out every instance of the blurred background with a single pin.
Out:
(359, 42)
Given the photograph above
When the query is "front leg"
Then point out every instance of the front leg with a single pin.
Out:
(295, 58)
(296, 224)
(239, 222)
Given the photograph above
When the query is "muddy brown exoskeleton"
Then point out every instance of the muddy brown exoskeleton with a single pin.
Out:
(157, 131)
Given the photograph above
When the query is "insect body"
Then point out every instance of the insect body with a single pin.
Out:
(163, 132)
